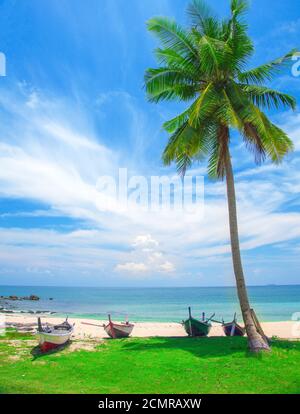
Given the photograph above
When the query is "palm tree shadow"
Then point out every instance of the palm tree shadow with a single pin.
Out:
(210, 347)
(201, 347)
(37, 353)
(287, 345)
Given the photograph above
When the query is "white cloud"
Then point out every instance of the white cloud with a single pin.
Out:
(33, 100)
(153, 260)
(291, 27)
(145, 240)
(167, 267)
(132, 267)
(153, 257)
(74, 139)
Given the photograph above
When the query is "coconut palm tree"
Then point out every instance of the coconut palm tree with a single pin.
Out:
(205, 66)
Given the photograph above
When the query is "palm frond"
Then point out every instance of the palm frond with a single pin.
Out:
(173, 124)
(173, 36)
(227, 113)
(267, 71)
(188, 144)
(167, 83)
(235, 33)
(266, 97)
(216, 162)
(199, 13)
(179, 148)
(204, 107)
(275, 141)
(203, 20)
(241, 46)
(214, 55)
(277, 144)
(172, 59)
(238, 8)
(254, 142)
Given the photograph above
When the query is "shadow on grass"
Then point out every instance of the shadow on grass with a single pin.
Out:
(287, 345)
(37, 353)
(210, 347)
(200, 347)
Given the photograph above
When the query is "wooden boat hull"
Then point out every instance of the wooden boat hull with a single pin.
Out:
(49, 341)
(51, 337)
(233, 329)
(193, 327)
(118, 330)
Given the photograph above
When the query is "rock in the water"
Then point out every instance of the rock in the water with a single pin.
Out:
(34, 297)
(14, 297)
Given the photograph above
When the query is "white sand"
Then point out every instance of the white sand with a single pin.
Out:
(286, 329)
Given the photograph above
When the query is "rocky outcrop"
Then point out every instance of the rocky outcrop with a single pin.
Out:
(34, 297)
(13, 297)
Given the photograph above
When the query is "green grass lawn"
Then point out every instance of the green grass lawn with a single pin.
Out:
(155, 365)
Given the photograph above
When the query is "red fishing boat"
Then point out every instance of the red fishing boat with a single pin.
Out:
(118, 330)
(233, 328)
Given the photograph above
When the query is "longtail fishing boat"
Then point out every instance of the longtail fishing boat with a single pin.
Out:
(118, 330)
(196, 327)
(53, 336)
(233, 328)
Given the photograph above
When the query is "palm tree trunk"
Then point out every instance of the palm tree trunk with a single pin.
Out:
(255, 340)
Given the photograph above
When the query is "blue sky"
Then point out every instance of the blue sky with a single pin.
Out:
(73, 108)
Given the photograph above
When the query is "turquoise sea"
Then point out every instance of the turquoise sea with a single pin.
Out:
(272, 303)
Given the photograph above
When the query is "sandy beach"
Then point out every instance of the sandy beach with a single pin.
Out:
(85, 328)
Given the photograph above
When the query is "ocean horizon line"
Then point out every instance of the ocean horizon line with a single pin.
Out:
(147, 287)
